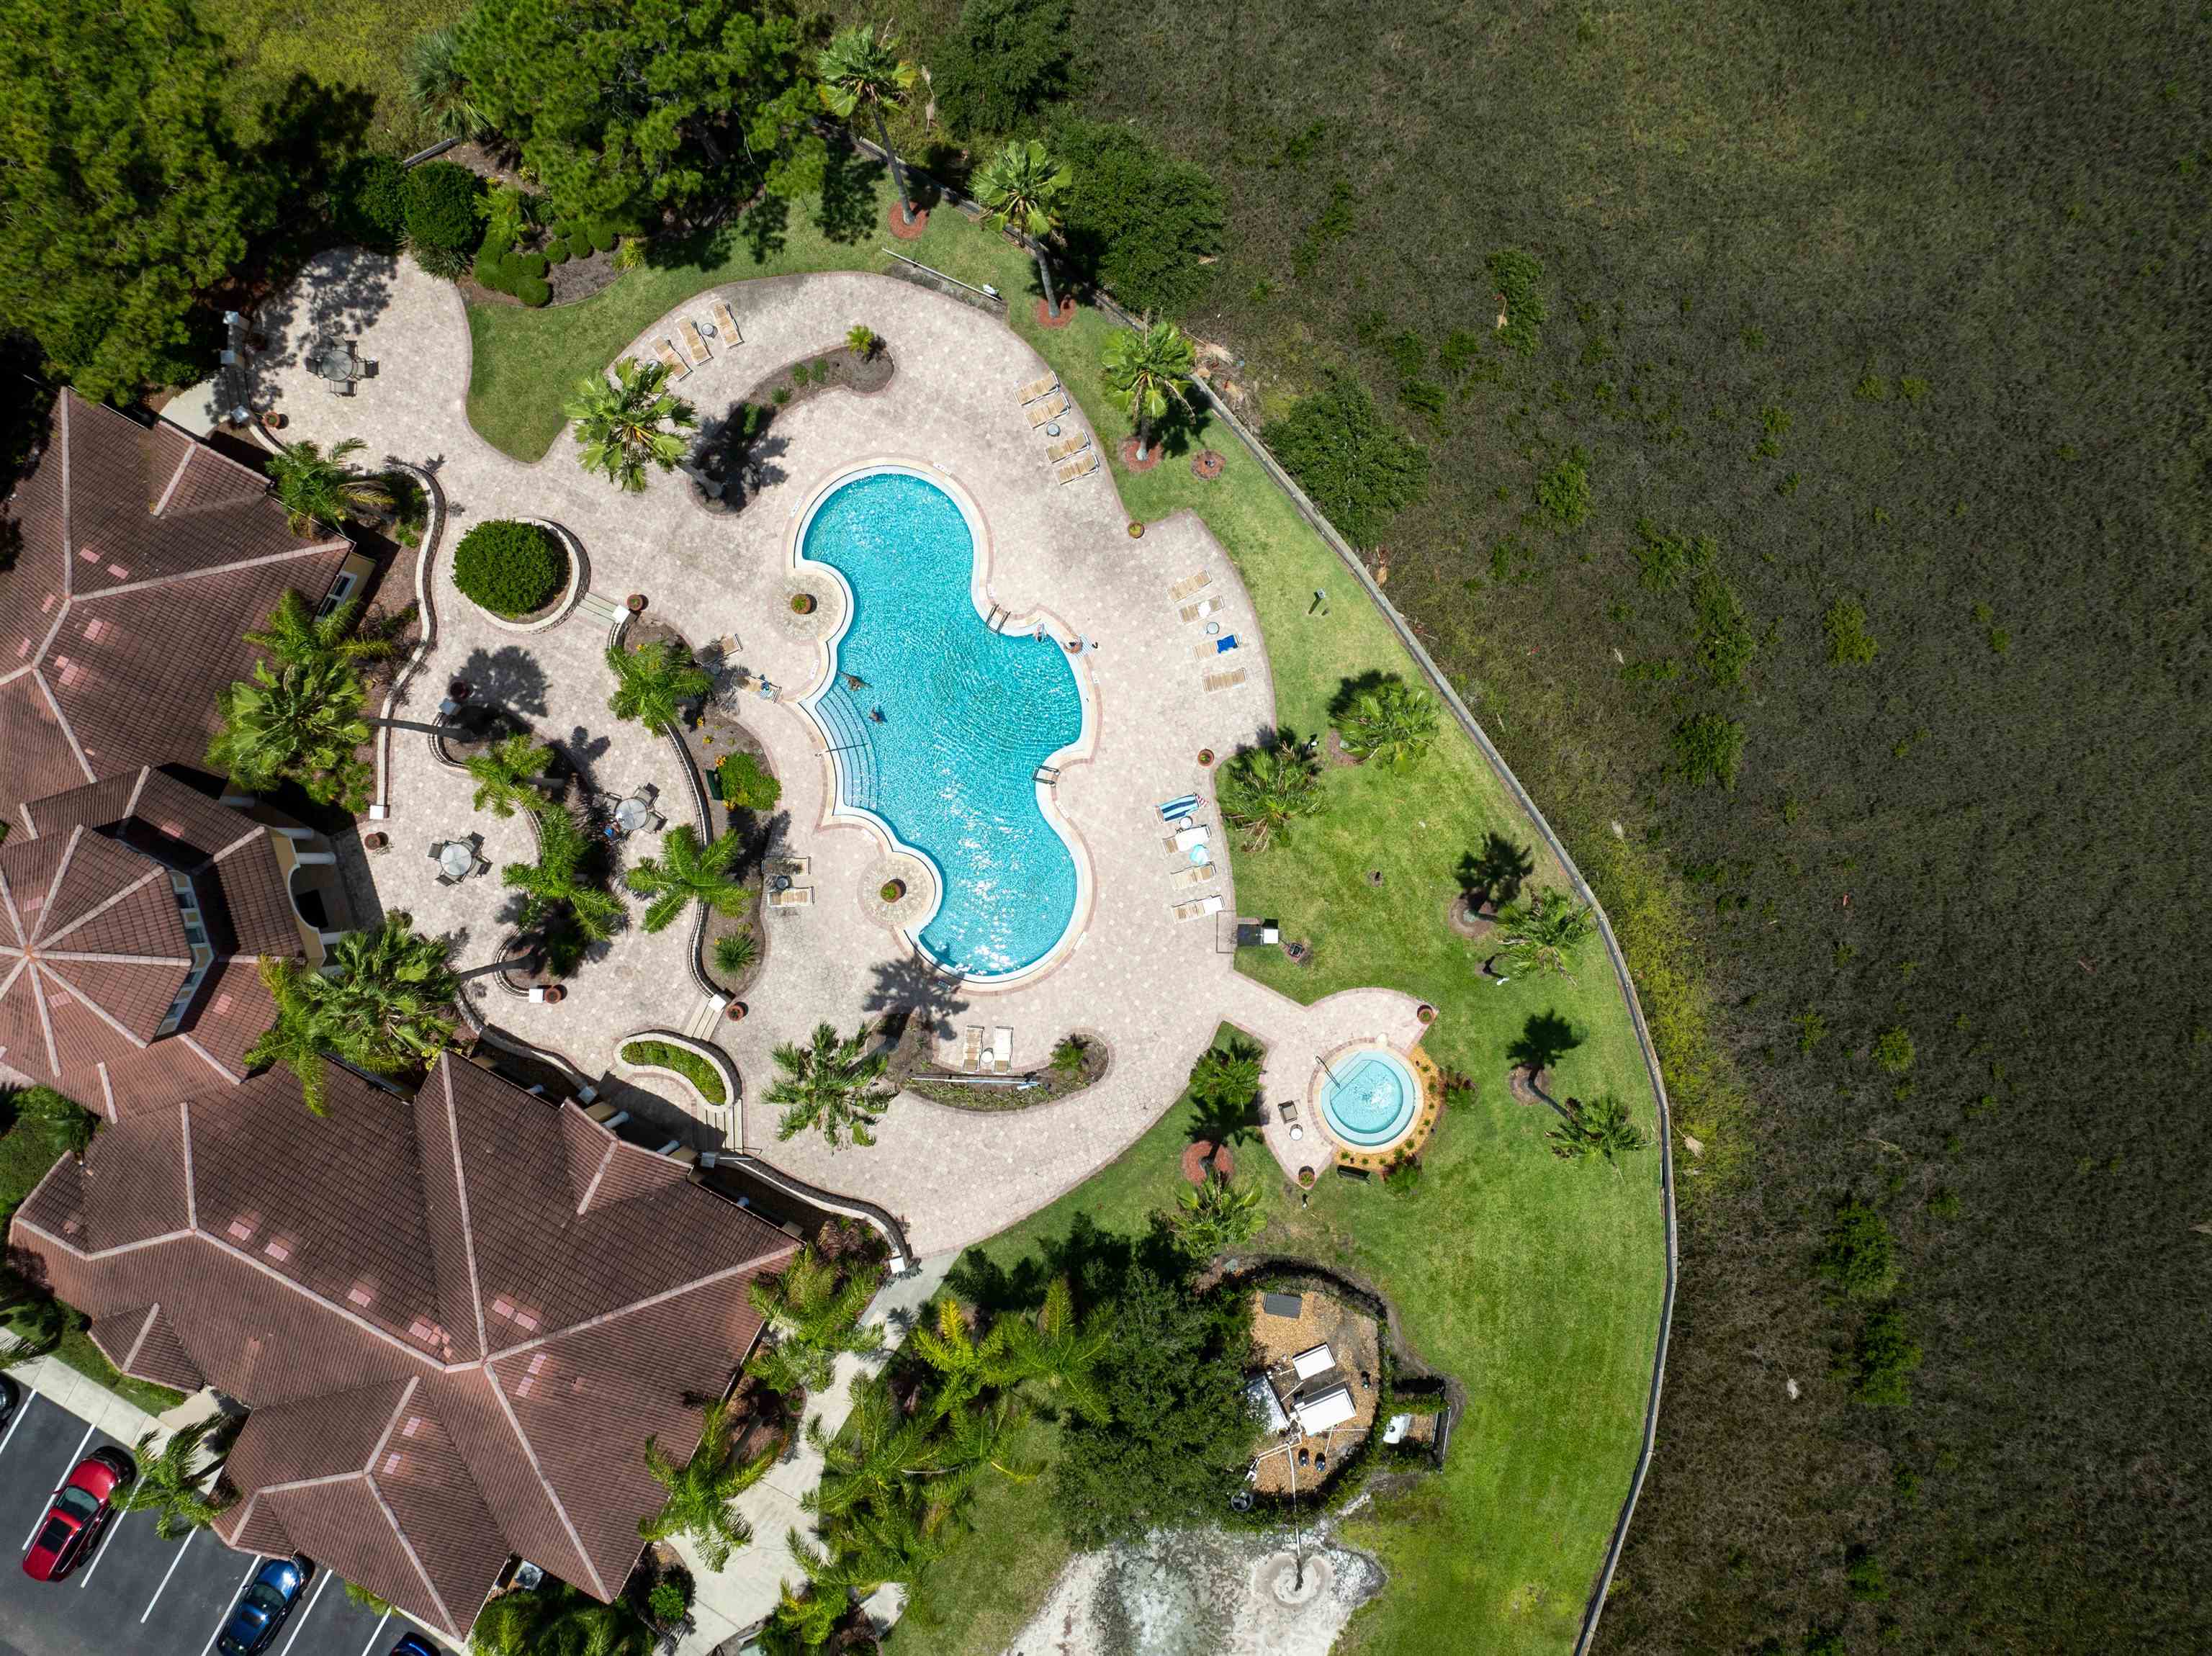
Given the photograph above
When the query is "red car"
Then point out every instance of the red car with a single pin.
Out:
(77, 1513)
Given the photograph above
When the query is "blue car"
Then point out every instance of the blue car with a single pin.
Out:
(412, 1644)
(262, 1608)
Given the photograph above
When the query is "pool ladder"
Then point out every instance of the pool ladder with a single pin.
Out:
(999, 616)
(1048, 774)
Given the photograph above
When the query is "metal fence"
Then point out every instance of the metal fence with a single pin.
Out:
(989, 300)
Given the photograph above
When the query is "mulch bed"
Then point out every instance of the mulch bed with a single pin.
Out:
(896, 222)
(1206, 464)
(1332, 748)
(1129, 459)
(1473, 925)
(841, 369)
(1060, 318)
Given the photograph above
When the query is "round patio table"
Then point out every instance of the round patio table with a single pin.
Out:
(335, 363)
(630, 815)
(456, 859)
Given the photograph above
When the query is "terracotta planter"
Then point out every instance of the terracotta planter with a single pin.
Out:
(376, 840)
(1306, 1177)
(554, 995)
(1427, 1015)
(634, 604)
(802, 604)
(1205, 756)
(735, 1012)
(1136, 531)
(893, 890)
(274, 420)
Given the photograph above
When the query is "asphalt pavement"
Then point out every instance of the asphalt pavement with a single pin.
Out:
(138, 1592)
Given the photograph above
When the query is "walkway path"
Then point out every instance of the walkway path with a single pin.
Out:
(1154, 988)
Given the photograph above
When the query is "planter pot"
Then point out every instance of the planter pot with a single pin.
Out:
(376, 841)
(802, 604)
(634, 604)
(1136, 531)
(893, 890)
(552, 995)
(1427, 1015)
(735, 1012)
(273, 420)
(1306, 1177)
(1205, 756)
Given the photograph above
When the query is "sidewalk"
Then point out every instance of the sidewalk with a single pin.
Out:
(745, 1591)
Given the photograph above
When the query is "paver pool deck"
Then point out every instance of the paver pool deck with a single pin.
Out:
(1153, 987)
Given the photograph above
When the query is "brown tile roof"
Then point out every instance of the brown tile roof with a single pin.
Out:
(145, 555)
(339, 1288)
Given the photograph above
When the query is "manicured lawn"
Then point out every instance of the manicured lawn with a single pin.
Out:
(1535, 1282)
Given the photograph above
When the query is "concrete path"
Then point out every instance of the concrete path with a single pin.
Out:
(1055, 555)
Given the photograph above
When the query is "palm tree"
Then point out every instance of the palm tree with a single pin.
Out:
(624, 425)
(1542, 933)
(1263, 790)
(1393, 722)
(980, 1440)
(1148, 371)
(702, 1490)
(1600, 1128)
(1018, 187)
(299, 723)
(382, 1003)
(815, 1315)
(296, 636)
(555, 886)
(964, 1365)
(860, 69)
(1216, 1216)
(829, 1083)
(1224, 1085)
(653, 681)
(436, 84)
(506, 774)
(172, 1485)
(1058, 1355)
(807, 1621)
(557, 1618)
(873, 1459)
(316, 486)
(686, 872)
(293, 1041)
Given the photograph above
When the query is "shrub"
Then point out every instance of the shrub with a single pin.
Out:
(510, 568)
(369, 201)
(1137, 220)
(1878, 1365)
(1862, 1574)
(602, 236)
(532, 291)
(533, 264)
(1517, 274)
(1403, 1175)
(1892, 1050)
(490, 271)
(802, 373)
(446, 264)
(744, 786)
(557, 252)
(1709, 748)
(1849, 644)
(1005, 59)
(441, 207)
(735, 953)
(1563, 493)
(1859, 1257)
(568, 230)
(684, 1061)
(1661, 561)
(1726, 643)
(1359, 470)
(667, 1602)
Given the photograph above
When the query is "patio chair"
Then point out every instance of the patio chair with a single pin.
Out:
(1002, 1049)
(1189, 586)
(368, 367)
(695, 344)
(1081, 466)
(1043, 413)
(1210, 649)
(1198, 909)
(971, 1048)
(669, 359)
(1183, 879)
(726, 325)
(339, 387)
(1043, 385)
(1074, 443)
(1287, 1112)
(1228, 681)
(1200, 609)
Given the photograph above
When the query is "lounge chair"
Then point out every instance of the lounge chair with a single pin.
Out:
(1074, 443)
(669, 359)
(971, 1048)
(1212, 647)
(726, 325)
(1171, 809)
(1043, 413)
(797, 896)
(1002, 1049)
(1043, 386)
(1228, 681)
(1197, 909)
(1200, 609)
(1081, 466)
(1183, 879)
(695, 344)
(1189, 585)
(1184, 839)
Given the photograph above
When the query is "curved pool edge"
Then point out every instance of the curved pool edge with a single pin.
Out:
(1317, 1091)
(838, 811)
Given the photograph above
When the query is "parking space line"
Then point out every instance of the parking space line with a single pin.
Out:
(307, 1610)
(106, 1545)
(166, 1574)
(68, 1466)
(29, 1398)
(224, 1616)
(377, 1634)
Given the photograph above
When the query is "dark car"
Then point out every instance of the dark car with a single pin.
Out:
(77, 1513)
(414, 1644)
(11, 1397)
(262, 1608)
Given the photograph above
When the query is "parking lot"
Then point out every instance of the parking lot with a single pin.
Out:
(137, 1592)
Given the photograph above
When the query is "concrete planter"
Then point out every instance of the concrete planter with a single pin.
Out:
(564, 602)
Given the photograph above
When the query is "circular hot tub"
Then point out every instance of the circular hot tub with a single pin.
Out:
(1370, 1097)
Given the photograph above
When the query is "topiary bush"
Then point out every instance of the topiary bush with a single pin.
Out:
(510, 568)
(603, 234)
(557, 252)
(528, 264)
(369, 201)
(532, 291)
(441, 202)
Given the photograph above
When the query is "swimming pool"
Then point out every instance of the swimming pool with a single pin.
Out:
(941, 740)
(1370, 1097)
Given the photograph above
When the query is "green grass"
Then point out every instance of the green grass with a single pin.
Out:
(1535, 1282)
(686, 1063)
(356, 48)
(77, 1351)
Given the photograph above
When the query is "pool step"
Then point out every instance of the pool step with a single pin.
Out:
(600, 608)
(704, 1017)
(997, 620)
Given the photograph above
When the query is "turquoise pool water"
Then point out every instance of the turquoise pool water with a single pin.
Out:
(968, 715)
(1369, 1098)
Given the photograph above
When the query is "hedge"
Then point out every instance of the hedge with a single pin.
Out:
(688, 1063)
(557, 252)
(744, 786)
(533, 291)
(510, 568)
(442, 206)
(369, 201)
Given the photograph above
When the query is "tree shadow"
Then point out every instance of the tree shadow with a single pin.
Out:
(1096, 1263)
(1349, 691)
(849, 185)
(733, 457)
(509, 677)
(1497, 871)
(765, 226)
(1543, 1041)
(917, 988)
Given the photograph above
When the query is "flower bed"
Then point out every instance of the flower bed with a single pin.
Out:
(681, 1060)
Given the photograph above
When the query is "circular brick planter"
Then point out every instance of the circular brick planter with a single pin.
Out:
(917, 889)
(817, 622)
(1058, 319)
(564, 601)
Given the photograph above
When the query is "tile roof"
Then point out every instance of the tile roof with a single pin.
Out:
(145, 554)
(343, 1276)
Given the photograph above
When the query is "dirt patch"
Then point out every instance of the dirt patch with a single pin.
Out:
(1472, 924)
(1333, 746)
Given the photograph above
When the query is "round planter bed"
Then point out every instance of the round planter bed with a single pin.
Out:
(558, 608)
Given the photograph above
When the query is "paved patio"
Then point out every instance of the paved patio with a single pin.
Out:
(1154, 988)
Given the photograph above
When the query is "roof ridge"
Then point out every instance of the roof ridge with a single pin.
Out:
(114, 897)
(98, 1010)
